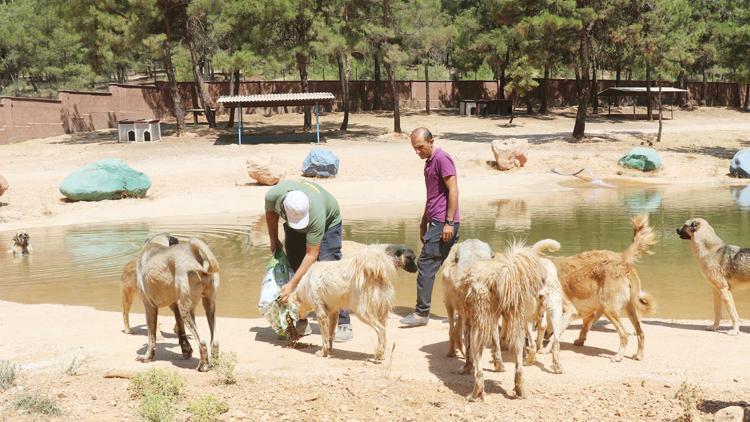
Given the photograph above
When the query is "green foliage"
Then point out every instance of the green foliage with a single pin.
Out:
(207, 409)
(157, 407)
(224, 365)
(157, 381)
(39, 404)
(8, 374)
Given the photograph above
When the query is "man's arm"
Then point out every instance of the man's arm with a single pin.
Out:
(423, 224)
(272, 221)
(311, 256)
(452, 185)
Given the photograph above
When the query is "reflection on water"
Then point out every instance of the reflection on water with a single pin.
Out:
(81, 264)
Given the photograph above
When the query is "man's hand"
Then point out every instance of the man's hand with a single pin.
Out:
(275, 244)
(422, 231)
(286, 290)
(447, 233)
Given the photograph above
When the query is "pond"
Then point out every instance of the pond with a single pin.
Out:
(81, 265)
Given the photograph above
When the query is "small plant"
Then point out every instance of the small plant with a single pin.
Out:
(8, 373)
(36, 403)
(207, 409)
(224, 365)
(76, 364)
(157, 407)
(690, 397)
(157, 382)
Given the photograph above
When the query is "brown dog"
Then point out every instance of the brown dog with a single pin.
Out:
(20, 244)
(602, 282)
(725, 266)
(178, 276)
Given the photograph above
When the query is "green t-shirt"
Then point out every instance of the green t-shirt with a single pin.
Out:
(324, 209)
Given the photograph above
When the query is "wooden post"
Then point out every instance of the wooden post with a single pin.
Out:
(635, 99)
(317, 122)
(239, 125)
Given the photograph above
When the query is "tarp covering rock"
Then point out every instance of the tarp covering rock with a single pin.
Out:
(641, 158)
(320, 162)
(109, 178)
(510, 153)
(740, 165)
(262, 171)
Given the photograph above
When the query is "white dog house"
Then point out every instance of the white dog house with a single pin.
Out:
(141, 130)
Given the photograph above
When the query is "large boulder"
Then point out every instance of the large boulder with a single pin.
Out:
(320, 162)
(641, 158)
(109, 178)
(261, 170)
(3, 185)
(510, 153)
(730, 414)
(740, 165)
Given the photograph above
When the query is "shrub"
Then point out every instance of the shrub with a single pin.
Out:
(224, 365)
(157, 381)
(207, 409)
(156, 407)
(36, 403)
(8, 373)
(76, 364)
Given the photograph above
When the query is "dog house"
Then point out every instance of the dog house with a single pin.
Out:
(140, 130)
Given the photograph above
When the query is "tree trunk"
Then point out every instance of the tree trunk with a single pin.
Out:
(177, 110)
(704, 88)
(543, 91)
(376, 88)
(658, 136)
(594, 80)
(302, 67)
(512, 107)
(618, 69)
(394, 93)
(504, 66)
(234, 89)
(579, 130)
(197, 73)
(746, 106)
(738, 95)
(344, 77)
(427, 86)
(648, 90)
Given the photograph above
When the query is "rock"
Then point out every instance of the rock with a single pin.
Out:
(730, 414)
(320, 162)
(510, 153)
(738, 167)
(3, 185)
(109, 178)
(641, 158)
(260, 170)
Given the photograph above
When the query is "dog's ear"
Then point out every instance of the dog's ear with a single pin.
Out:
(694, 225)
(172, 240)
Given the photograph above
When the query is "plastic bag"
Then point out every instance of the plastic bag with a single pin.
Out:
(281, 316)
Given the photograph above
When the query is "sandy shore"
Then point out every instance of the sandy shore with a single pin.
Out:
(204, 173)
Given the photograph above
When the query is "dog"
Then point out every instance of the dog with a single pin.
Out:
(178, 276)
(502, 288)
(361, 283)
(129, 288)
(400, 252)
(725, 266)
(602, 282)
(21, 245)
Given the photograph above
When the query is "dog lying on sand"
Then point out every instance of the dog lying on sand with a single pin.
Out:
(20, 245)
(725, 266)
(361, 283)
(179, 276)
(602, 282)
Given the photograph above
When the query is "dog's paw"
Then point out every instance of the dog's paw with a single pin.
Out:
(558, 369)
(475, 397)
(638, 356)
(145, 359)
(579, 342)
(712, 328)
(733, 332)
(322, 354)
(451, 354)
(616, 358)
(203, 367)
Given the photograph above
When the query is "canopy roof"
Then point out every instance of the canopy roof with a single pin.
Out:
(631, 91)
(269, 100)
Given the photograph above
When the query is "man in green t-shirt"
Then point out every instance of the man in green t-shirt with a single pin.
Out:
(312, 233)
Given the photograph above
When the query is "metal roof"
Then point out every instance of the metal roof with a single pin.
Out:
(639, 90)
(301, 98)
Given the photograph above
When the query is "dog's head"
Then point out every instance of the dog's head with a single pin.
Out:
(404, 256)
(691, 227)
(21, 240)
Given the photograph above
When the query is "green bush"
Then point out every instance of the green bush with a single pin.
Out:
(76, 364)
(224, 366)
(8, 373)
(207, 409)
(156, 407)
(36, 403)
(157, 382)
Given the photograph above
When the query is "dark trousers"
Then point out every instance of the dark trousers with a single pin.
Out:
(434, 252)
(330, 250)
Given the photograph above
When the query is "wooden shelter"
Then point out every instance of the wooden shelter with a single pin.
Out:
(635, 92)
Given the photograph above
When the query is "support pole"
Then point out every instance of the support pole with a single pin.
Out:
(239, 125)
(317, 122)
(635, 100)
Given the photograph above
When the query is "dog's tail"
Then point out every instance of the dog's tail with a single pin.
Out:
(546, 245)
(644, 301)
(373, 272)
(643, 239)
(203, 254)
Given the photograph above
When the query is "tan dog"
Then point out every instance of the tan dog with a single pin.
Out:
(20, 245)
(361, 283)
(502, 288)
(178, 276)
(725, 266)
(602, 282)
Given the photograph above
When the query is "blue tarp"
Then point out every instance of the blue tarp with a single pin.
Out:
(320, 162)
(641, 158)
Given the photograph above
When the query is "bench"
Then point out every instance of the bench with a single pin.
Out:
(196, 112)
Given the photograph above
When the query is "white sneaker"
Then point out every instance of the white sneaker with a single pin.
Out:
(343, 333)
(414, 320)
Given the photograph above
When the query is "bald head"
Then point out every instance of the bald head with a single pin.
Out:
(421, 141)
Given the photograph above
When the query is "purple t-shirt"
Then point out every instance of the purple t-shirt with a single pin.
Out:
(436, 168)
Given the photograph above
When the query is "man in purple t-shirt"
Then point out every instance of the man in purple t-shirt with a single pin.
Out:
(439, 227)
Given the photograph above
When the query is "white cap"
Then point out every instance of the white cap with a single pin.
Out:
(297, 209)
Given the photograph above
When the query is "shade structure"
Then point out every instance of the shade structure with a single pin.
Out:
(637, 91)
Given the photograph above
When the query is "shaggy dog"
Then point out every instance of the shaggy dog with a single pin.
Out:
(502, 288)
(602, 282)
(402, 253)
(20, 244)
(361, 283)
(725, 266)
(129, 288)
(178, 276)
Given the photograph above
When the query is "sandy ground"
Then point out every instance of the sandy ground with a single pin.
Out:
(204, 172)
